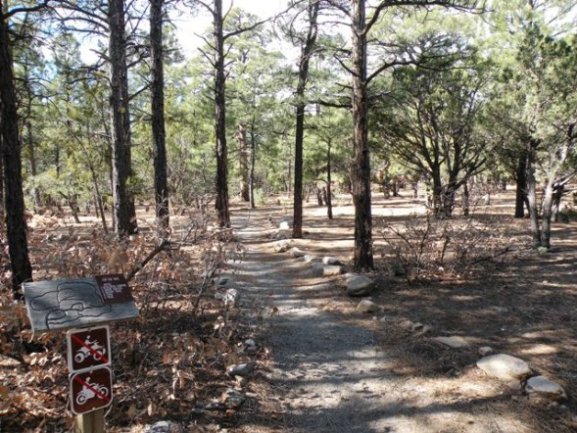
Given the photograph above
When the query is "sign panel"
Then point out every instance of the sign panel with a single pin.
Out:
(64, 304)
(114, 289)
(88, 348)
(90, 390)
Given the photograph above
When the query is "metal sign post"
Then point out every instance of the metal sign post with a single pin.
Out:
(83, 303)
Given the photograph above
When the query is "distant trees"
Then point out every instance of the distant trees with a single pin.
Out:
(435, 125)
(361, 77)
(536, 108)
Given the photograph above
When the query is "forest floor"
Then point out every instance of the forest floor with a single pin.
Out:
(321, 365)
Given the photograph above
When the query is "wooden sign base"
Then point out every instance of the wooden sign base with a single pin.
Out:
(92, 422)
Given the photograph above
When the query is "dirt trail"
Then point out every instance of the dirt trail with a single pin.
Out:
(333, 376)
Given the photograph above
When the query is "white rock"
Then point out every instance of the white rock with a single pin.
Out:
(229, 297)
(295, 252)
(544, 387)
(282, 246)
(504, 366)
(454, 342)
(285, 224)
(163, 427)
(327, 260)
(309, 258)
(359, 285)
(485, 350)
(240, 369)
(367, 306)
(331, 271)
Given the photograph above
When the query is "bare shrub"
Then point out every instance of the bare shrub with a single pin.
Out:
(423, 247)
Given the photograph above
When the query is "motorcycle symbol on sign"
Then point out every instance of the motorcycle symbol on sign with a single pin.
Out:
(90, 348)
(91, 390)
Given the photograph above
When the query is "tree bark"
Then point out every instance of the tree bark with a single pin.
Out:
(361, 170)
(2, 183)
(546, 216)
(220, 120)
(466, 199)
(532, 195)
(158, 128)
(252, 160)
(12, 161)
(329, 182)
(124, 211)
(521, 185)
(243, 163)
(306, 53)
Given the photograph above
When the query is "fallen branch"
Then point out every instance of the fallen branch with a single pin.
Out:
(492, 256)
(161, 247)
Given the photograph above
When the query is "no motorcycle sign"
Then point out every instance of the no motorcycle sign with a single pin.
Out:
(91, 390)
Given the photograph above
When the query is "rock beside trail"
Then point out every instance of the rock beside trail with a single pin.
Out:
(367, 306)
(242, 370)
(163, 427)
(359, 285)
(249, 347)
(310, 258)
(333, 261)
(332, 271)
(543, 387)
(504, 366)
(229, 297)
(416, 327)
(285, 224)
(485, 350)
(454, 342)
(295, 252)
(282, 246)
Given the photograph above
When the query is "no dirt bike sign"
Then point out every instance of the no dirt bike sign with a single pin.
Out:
(88, 348)
(91, 390)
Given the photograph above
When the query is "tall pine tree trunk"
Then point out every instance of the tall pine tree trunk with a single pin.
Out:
(243, 152)
(521, 185)
(361, 170)
(252, 160)
(307, 51)
(220, 120)
(532, 195)
(158, 130)
(124, 211)
(329, 182)
(12, 161)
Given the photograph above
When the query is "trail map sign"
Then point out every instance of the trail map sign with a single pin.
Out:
(91, 390)
(88, 348)
(74, 303)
